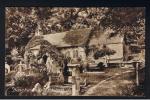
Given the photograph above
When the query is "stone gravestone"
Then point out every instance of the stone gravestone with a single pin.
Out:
(37, 89)
(69, 79)
(85, 82)
(7, 68)
(46, 88)
(21, 67)
(31, 71)
(49, 64)
(61, 77)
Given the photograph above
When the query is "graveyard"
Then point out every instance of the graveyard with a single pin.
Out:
(74, 51)
(120, 81)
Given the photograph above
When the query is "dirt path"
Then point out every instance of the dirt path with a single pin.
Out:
(110, 86)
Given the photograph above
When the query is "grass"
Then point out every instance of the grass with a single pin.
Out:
(121, 85)
(93, 78)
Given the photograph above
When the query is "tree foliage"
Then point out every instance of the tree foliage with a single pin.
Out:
(103, 52)
(126, 21)
(21, 22)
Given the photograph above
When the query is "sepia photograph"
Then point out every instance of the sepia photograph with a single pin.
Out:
(74, 51)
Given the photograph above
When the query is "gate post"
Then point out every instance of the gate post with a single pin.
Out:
(75, 82)
(136, 66)
(137, 74)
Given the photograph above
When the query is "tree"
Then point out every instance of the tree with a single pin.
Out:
(125, 20)
(20, 24)
(103, 52)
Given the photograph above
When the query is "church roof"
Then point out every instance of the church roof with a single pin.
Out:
(77, 38)
(104, 39)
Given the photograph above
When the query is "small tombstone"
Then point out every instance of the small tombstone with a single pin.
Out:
(61, 77)
(47, 85)
(13, 81)
(85, 82)
(31, 71)
(85, 65)
(39, 61)
(20, 65)
(37, 89)
(19, 74)
(70, 79)
(49, 64)
(50, 78)
(106, 61)
(46, 88)
(76, 71)
(7, 68)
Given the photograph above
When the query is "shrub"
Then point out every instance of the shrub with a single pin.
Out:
(131, 90)
(22, 82)
(101, 66)
(7, 78)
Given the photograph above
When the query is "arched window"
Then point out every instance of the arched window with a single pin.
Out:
(75, 53)
(45, 58)
(67, 54)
